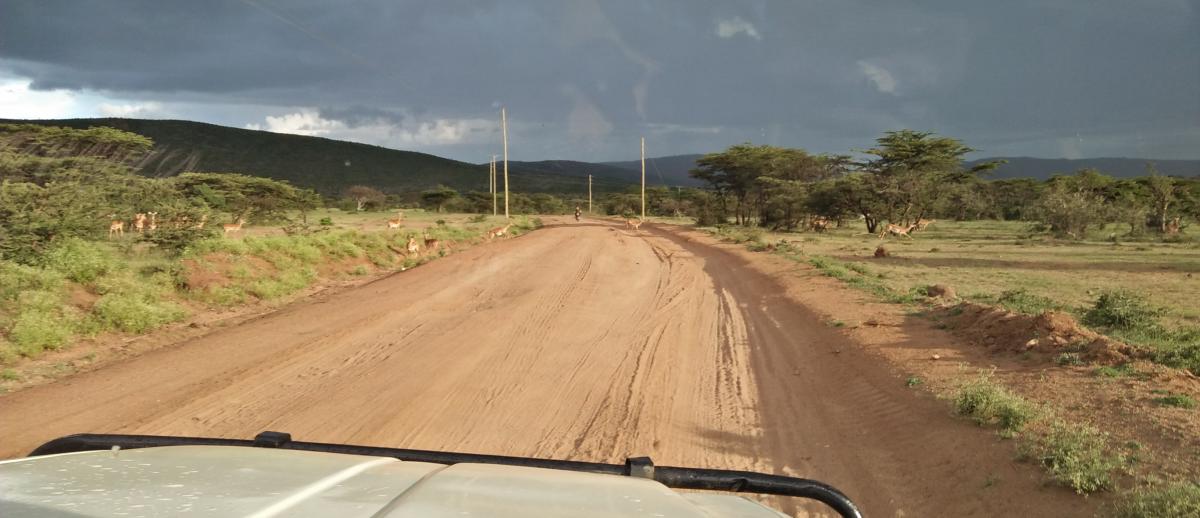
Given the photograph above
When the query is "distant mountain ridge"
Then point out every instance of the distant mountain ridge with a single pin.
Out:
(329, 166)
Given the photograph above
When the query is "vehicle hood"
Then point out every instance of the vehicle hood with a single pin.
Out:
(260, 482)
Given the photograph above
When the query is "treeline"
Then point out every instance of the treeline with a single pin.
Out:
(906, 176)
(60, 183)
(909, 176)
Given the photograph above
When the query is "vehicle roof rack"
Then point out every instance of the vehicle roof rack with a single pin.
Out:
(670, 476)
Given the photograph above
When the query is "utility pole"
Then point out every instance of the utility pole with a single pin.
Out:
(589, 195)
(504, 129)
(643, 178)
(492, 172)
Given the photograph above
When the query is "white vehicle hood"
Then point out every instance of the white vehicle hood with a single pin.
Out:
(261, 482)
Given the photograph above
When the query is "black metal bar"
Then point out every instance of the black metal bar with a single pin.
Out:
(675, 477)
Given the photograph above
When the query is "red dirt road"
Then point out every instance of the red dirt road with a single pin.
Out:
(583, 341)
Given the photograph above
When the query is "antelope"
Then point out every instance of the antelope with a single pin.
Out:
(233, 227)
(1173, 226)
(117, 227)
(897, 230)
(922, 223)
(204, 219)
(431, 244)
(139, 222)
(819, 225)
(395, 223)
(153, 221)
(633, 223)
(413, 247)
(498, 231)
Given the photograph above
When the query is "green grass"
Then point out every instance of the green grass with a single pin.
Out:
(860, 278)
(988, 403)
(992, 257)
(1118, 371)
(1076, 456)
(1178, 500)
(1175, 400)
(1022, 301)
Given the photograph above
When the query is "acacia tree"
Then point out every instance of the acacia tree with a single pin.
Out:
(1163, 192)
(765, 180)
(910, 169)
(438, 197)
(241, 195)
(364, 195)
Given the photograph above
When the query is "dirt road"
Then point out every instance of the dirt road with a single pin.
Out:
(582, 341)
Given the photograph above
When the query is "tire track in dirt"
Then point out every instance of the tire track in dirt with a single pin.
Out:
(578, 341)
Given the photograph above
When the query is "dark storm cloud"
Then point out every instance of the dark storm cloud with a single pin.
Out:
(354, 116)
(584, 78)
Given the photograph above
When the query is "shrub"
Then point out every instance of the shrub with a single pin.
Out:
(136, 313)
(326, 221)
(34, 331)
(987, 402)
(1076, 456)
(79, 260)
(1178, 500)
(287, 283)
(1122, 310)
(18, 278)
(174, 240)
(136, 304)
(1180, 357)
(1121, 370)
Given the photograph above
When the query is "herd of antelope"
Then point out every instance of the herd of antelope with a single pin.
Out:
(820, 224)
(897, 230)
(144, 222)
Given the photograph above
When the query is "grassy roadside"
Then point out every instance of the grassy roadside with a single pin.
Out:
(83, 289)
(1079, 455)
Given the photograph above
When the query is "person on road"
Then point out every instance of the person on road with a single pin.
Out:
(578, 212)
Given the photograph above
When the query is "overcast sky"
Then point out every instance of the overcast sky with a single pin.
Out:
(583, 79)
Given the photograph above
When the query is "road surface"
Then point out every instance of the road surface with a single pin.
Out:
(582, 341)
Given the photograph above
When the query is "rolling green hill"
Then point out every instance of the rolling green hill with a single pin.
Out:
(329, 166)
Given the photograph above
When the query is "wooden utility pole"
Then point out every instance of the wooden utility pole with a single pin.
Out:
(504, 130)
(643, 178)
(589, 195)
(493, 174)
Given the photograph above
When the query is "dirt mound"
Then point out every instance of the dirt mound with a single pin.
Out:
(1052, 332)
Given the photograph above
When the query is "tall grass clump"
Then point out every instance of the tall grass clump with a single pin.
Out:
(988, 403)
(1178, 500)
